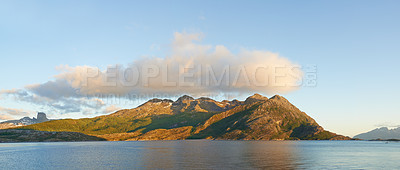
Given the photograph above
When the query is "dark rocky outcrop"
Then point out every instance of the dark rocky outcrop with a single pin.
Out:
(41, 117)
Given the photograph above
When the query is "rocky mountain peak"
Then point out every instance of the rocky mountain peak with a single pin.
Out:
(41, 117)
(279, 99)
(255, 98)
(383, 128)
(204, 98)
(258, 96)
(156, 100)
(184, 97)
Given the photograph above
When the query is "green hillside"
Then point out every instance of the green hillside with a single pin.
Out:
(257, 118)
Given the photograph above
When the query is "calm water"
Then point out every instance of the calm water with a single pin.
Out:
(202, 154)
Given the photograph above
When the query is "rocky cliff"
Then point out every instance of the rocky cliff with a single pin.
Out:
(41, 117)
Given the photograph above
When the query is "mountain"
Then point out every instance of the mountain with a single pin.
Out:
(41, 117)
(380, 133)
(256, 118)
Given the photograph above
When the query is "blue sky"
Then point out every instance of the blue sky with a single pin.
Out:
(354, 45)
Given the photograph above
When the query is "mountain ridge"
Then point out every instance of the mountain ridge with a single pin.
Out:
(41, 117)
(382, 133)
(256, 118)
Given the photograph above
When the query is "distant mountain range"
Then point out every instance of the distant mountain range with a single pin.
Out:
(256, 118)
(382, 133)
(41, 117)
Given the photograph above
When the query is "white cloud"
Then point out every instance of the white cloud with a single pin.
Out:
(15, 112)
(11, 113)
(191, 68)
(249, 71)
(6, 117)
(54, 98)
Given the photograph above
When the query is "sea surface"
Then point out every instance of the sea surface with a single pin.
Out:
(202, 154)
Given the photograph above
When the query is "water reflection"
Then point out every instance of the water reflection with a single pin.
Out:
(201, 154)
(220, 154)
(271, 154)
(157, 155)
